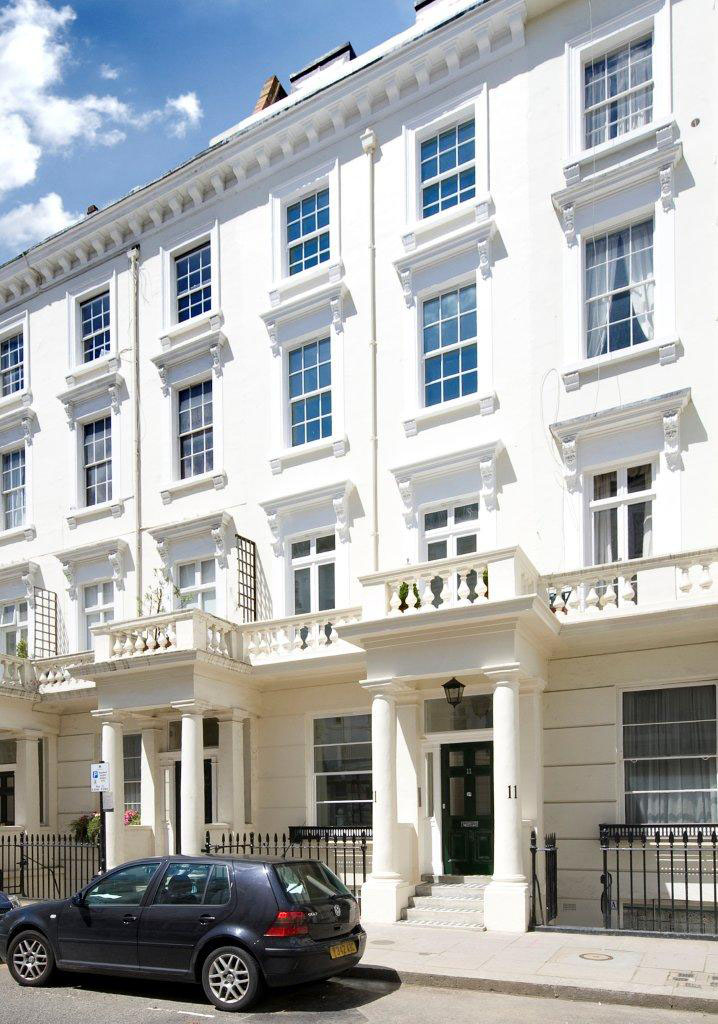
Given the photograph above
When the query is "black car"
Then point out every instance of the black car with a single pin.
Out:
(7, 903)
(231, 923)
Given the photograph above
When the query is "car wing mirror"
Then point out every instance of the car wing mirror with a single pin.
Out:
(78, 900)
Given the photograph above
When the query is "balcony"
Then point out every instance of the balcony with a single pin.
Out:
(476, 586)
(624, 588)
(154, 635)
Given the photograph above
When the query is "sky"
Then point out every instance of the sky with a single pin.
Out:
(100, 96)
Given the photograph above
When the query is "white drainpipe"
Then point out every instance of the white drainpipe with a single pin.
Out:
(368, 141)
(133, 256)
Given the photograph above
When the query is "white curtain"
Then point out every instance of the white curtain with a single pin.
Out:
(642, 287)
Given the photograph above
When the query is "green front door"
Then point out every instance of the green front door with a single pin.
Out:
(467, 808)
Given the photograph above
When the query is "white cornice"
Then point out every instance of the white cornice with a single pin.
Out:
(592, 178)
(480, 459)
(375, 85)
(109, 383)
(214, 525)
(332, 294)
(176, 352)
(337, 495)
(115, 551)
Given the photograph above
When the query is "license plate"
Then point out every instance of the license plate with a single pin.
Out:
(342, 949)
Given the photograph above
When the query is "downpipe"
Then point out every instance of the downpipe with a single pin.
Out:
(368, 141)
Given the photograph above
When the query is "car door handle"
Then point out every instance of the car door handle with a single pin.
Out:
(206, 918)
(128, 919)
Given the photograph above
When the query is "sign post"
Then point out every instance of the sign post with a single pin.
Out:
(100, 783)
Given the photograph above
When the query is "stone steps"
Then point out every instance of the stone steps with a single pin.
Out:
(448, 902)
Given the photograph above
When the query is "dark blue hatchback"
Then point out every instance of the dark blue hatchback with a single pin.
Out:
(234, 924)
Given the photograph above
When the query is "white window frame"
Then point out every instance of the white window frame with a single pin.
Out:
(452, 531)
(445, 404)
(86, 466)
(125, 758)
(21, 627)
(303, 396)
(200, 588)
(318, 177)
(472, 104)
(18, 324)
(652, 684)
(80, 512)
(100, 608)
(283, 454)
(180, 244)
(641, 202)
(91, 287)
(27, 530)
(653, 17)
(311, 775)
(312, 561)
(3, 511)
(418, 416)
(621, 502)
(206, 378)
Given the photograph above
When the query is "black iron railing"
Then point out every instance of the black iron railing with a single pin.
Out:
(345, 851)
(660, 878)
(46, 866)
(544, 913)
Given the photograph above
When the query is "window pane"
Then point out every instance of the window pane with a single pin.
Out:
(669, 704)
(124, 888)
(474, 712)
(302, 592)
(639, 478)
(183, 884)
(218, 888)
(210, 732)
(343, 758)
(344, 729)
(605, 485)
(639, 529)
(344, 787)
(605, 536)
(326, 544)
(466, 513)
(326, 586)
(436, 520)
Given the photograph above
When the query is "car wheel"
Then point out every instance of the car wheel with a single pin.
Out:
(230, 978)
(30, 959)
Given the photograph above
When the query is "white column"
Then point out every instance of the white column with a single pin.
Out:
(506, 897)
(192, 787)
(386, 892)
(149, 783)
(113, 754)
(230, 775)
(27, 784)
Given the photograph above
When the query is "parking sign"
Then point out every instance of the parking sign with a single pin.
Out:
(100, 777)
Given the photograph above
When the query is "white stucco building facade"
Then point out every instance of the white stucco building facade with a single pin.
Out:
(408, 376)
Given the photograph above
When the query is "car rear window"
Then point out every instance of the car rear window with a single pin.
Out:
(309, 882)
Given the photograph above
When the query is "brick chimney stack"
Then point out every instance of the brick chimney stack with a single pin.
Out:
(272, 91)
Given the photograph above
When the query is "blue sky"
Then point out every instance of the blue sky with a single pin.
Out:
(98, 96)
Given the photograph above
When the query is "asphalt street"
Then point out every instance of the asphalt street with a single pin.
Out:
(75, 1000)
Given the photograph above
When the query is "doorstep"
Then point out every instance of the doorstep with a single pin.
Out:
(657, 972)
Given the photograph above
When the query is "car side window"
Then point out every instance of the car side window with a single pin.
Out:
(192, 884)
(123, 888)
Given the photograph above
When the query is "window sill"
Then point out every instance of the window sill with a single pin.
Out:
(211, 321)
(660, 135)
(665, 350)
(433, 229)
(26, 533)
(15, 408)
(178, 488)
(336, 446)
(82, 372)
(91, 512)
(434, 415)
(290, 289)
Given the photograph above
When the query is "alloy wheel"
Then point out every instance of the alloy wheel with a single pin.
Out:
(229, 978)
(30, 959)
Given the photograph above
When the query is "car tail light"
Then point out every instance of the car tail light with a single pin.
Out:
(288, 922)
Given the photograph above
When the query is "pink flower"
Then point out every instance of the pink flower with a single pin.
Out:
(131, 817)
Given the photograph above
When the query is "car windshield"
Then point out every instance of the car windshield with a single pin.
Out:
(310, 882)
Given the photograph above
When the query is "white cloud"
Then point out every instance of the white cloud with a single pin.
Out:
(35, 115)
(183, 112)
(32, 222)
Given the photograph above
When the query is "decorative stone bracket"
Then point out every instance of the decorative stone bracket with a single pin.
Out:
(280, 510)
(113, 552)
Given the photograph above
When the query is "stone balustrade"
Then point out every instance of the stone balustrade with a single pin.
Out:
(298, 635)
(62, 673)
(183, 630)
(624, 587)
(16, 674)
(449, 583)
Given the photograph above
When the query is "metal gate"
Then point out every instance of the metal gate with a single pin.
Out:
(46, 867)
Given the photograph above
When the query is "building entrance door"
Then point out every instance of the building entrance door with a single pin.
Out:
(7, 798)
(467, 809)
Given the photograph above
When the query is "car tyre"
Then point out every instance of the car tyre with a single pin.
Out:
(30, 959)
(231, 979)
